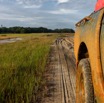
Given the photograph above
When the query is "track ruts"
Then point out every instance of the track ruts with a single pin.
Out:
(63, 69)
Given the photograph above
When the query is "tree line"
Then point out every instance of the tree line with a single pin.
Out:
(33, 30)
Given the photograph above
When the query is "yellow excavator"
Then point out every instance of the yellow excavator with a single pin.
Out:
(89, 54)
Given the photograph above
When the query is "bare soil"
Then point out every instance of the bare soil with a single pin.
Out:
(61, 73)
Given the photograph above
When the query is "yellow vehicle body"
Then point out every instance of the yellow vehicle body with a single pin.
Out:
(89, 43)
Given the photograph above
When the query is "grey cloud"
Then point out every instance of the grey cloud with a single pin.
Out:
(59, 13)
(63, 11)
(30, 3)
(62, 1)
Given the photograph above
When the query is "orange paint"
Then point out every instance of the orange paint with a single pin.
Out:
(99, 5)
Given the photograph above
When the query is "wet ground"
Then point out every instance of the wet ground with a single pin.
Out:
(10, 40)
(61, 73)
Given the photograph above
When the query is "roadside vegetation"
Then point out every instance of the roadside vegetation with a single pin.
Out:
(22, 65)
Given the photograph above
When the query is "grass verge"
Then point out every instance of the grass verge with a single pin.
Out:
(22, 65)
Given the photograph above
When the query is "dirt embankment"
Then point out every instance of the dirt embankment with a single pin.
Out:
(60, 76)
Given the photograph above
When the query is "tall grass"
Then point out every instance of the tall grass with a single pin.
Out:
(22, 65)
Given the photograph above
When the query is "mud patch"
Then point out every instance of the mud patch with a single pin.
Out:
(10, 40)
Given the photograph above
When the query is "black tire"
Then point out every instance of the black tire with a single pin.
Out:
(84, 85)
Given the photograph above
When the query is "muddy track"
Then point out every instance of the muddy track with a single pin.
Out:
(62, 72)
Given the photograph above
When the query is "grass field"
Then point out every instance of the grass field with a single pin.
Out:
(22, 65)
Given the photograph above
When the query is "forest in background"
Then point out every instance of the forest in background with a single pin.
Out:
(34, 30)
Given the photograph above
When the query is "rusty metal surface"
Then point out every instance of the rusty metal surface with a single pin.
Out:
(89, 35)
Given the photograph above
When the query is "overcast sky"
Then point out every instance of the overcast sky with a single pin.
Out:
(46, 13)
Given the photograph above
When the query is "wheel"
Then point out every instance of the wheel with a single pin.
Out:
(84, 86)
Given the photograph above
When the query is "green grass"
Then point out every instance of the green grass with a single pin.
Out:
(22, 65)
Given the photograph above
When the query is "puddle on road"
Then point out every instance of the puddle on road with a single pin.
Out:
(11, 40)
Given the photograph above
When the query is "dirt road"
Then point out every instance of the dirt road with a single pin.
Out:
(61, 73)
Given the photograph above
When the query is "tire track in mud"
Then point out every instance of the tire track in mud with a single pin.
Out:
(61, 73)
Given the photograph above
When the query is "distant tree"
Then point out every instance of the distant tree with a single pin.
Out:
(0, 30)
(65, 30)
(33, 30)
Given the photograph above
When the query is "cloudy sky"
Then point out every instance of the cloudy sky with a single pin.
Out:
(47, 13)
